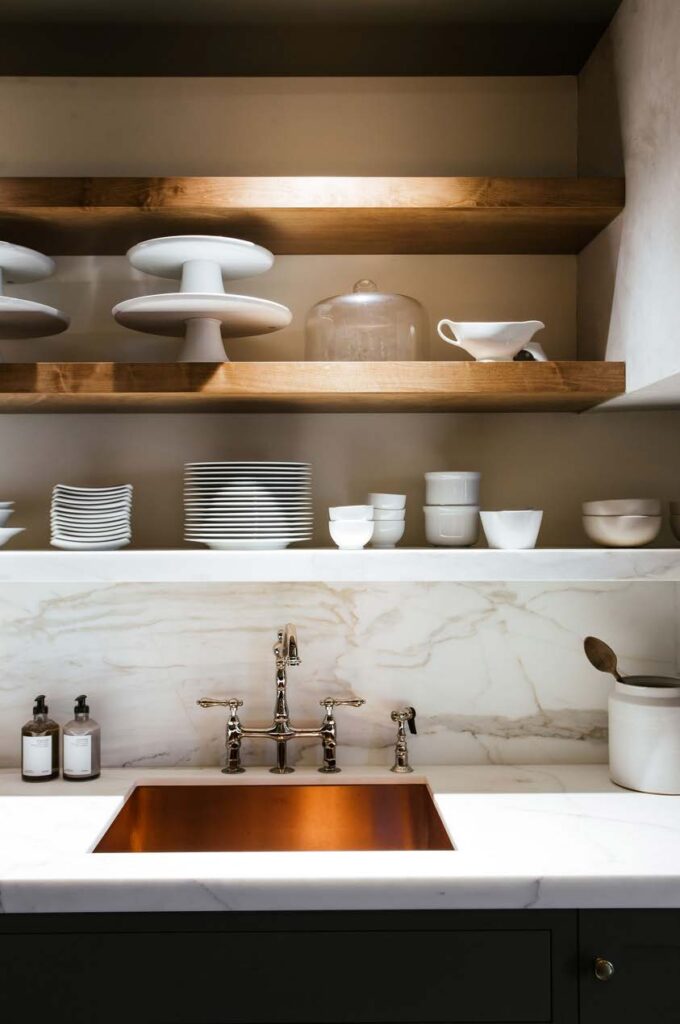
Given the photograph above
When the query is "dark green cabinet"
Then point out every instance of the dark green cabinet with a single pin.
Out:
(420, 967)
(643, 947)
(339, 968)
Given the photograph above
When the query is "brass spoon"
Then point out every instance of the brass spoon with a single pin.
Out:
(601, 656)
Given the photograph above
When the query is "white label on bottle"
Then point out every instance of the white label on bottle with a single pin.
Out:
(37, 755)
(77, 755)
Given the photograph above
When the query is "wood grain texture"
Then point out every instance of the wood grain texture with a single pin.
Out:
(308, 387)
(299, 215)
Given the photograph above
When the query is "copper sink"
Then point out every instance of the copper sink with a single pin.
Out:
(159, 819)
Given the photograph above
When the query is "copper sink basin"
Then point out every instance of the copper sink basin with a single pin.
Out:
(157, 819)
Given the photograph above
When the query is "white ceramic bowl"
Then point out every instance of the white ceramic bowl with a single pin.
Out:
(451, 526)
(6, 504)
(387, 500)
(387, 533)
(7, 532)
(352, 534)
(675, 526)
(396, 515)
(622, 531)
(623, 507)
(342, 513)
(452, 488)
(513, 529)
(5, 513)
(490, 342)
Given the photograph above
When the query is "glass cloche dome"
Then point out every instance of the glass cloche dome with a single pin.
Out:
(366, 325)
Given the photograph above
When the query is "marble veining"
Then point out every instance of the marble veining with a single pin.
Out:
(495, 670)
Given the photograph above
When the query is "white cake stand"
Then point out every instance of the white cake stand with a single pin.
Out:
(201, 312)
(22, 318)
(205, 259)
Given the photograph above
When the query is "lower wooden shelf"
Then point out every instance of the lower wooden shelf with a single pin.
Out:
(460, 386)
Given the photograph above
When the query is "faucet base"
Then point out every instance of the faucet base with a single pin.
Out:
(233, 771)
(281, 771)
(401, 769)
(329, 771)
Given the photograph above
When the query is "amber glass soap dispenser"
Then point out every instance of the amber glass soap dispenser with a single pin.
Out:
(82, 744)
(40, 745)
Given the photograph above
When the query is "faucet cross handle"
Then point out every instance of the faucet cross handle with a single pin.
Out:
(234, 731)
(232, 703)
(332, 702)
(329, 731)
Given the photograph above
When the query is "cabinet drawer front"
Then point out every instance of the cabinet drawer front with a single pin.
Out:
(301, 977)
(644, 948)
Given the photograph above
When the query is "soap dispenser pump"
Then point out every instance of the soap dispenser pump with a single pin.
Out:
(40, 745)
(82, 744)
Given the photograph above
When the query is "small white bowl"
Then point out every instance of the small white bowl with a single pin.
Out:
(345, 513)
(393, 514)
(6, 504)
(452, 488)
(5, 513)
(451, 526)
(351, 534)
(623, 507)
(7, 532)
(387, 533)
(622, 531)
(387, 500)
(512, 529)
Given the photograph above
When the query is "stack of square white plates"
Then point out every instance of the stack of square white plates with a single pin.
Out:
(91, 518)
(248, 505)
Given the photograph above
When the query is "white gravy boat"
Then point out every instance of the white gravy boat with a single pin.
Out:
(490, 342)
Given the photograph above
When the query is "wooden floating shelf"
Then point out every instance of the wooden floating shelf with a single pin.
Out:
(309, 387)
(298, 215)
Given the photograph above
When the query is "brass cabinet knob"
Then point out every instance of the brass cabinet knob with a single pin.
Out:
(603, 968)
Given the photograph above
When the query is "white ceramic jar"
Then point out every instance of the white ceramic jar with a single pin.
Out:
(451, 526)
(644, 736)
(452, 488)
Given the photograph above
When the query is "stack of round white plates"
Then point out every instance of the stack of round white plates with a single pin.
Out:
(91, 518)
(248, 505)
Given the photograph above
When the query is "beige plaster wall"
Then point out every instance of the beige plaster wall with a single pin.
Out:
(288, 126)
(629, 301)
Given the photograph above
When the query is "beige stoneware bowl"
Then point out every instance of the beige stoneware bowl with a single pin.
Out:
(622, 531)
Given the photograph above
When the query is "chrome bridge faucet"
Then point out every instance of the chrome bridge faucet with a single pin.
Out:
(281, 730)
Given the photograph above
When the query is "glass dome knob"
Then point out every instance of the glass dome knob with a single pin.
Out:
(365, 286)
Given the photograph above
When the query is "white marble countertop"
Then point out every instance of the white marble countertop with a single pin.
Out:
(329, 565)
(525, 837)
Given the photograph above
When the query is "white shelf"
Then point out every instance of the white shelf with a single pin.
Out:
(328, 565)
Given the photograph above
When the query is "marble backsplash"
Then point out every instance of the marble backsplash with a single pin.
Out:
(496, 671)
